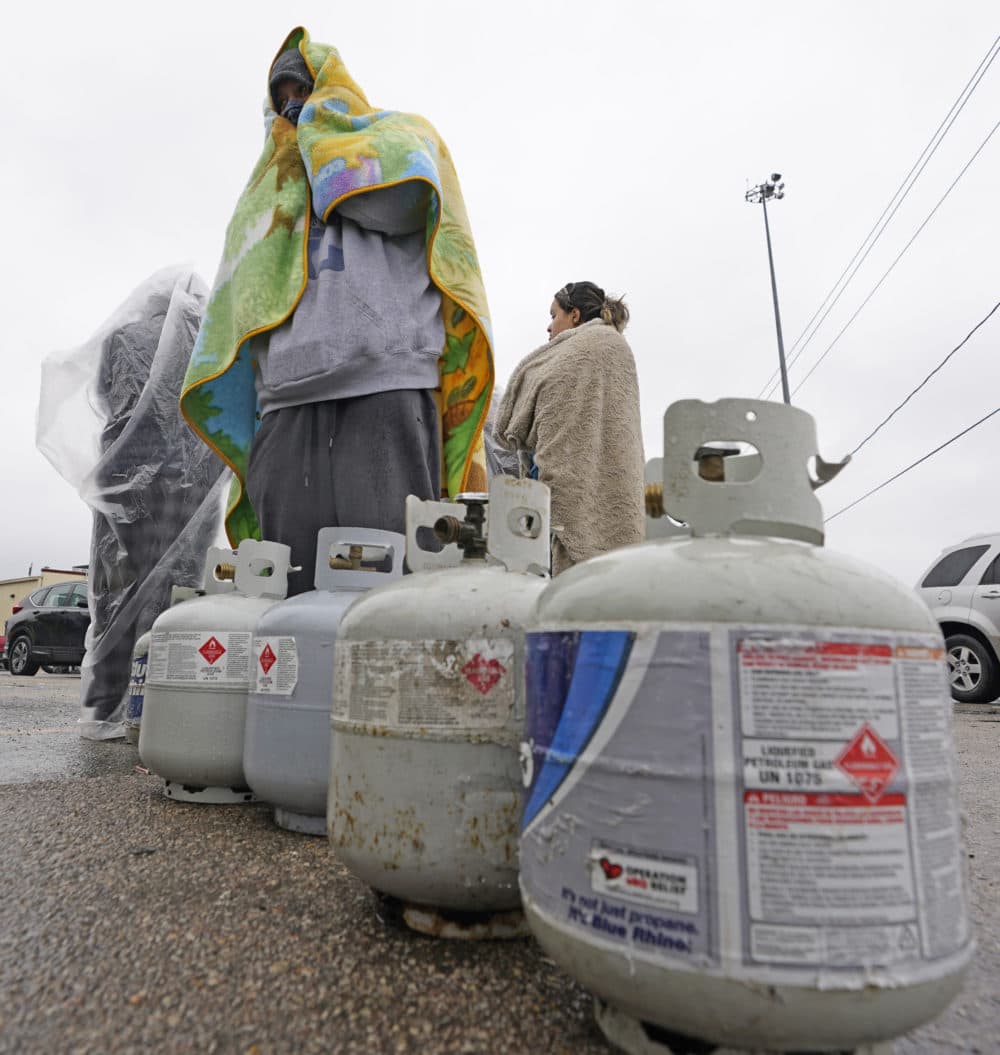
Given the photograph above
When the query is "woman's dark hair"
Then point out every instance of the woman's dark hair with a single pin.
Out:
(593, 303)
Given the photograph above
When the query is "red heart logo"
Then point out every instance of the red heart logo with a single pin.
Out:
(610, 868)
(483, 674)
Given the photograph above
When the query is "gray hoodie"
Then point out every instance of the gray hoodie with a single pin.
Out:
(369, 319)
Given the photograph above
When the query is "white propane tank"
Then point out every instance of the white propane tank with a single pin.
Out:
(741, 820)
(198, 675)
(428, 714)
(136, 691)
(286, 753)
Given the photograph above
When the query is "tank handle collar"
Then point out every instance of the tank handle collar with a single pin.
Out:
(766, 489)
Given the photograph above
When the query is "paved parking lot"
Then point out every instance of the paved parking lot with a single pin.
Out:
(130, 923)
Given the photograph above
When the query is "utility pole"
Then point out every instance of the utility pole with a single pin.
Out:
(772, 188)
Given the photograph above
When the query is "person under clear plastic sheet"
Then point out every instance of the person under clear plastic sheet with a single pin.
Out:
(153, 488)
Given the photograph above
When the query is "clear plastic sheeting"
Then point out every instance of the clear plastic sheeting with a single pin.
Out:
(109, 421)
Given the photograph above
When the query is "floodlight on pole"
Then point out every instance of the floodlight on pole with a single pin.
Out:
(773, 187)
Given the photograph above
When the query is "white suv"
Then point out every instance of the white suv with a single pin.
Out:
(962, 588)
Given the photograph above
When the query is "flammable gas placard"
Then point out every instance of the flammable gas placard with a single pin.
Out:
(199, 657)
(275, 666)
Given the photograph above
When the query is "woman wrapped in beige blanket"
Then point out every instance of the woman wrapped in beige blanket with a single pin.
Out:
(571, 408)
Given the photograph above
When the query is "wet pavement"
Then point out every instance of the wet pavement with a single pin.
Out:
(38, 736)
(132, 923)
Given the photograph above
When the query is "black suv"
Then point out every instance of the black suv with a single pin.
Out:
(48, 627)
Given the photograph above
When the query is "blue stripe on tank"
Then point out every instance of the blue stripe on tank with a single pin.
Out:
(601, 659)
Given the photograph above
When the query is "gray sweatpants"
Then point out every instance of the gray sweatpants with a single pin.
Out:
(342, 463)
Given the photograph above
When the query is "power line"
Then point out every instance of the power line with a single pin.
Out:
(886, 420)
(916, 233)
(919, 461)
(924, 157)
(939, 135)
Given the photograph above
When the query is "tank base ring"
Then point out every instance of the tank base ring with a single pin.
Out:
(173, 789)
(635, 1037)
(303, 823)
(464, 926)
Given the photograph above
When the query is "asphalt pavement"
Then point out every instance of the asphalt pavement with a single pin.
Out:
(133, 923)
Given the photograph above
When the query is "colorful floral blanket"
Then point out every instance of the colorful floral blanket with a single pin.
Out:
(341, 146)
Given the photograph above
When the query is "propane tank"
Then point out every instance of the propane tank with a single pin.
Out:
(741, 820)
(198, 676)
(428, 714)
(136, 688)
(286, 753)
(136, 692)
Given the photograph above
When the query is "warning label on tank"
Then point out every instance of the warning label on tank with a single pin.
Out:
(200, 657)
(869, 762)
(840, 849)
(837, 865)
(276, 666)
(425, 684)
(827, 858)
(791, 687)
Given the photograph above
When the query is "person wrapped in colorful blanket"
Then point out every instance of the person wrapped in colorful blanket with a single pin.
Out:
(571, 410)
(345, 359)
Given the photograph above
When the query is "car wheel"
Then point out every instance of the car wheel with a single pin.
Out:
(971, 669)
(19, 657)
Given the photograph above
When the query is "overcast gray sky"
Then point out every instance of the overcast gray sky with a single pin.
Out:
(610, 142)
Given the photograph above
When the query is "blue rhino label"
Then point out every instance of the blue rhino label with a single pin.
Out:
(728, 798)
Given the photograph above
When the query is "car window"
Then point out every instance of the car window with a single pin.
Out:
(37, 597)
(952, 569)
(991, 577)
(58, 596)
(79, 595)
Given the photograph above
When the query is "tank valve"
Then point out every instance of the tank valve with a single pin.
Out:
(448, 529)
(470, 532)
(654, 501)
(225, 572)
(711, 464)
(352, 561)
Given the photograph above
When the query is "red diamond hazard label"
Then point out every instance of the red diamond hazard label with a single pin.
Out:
(869, 762)
(482, 673)
(267, 658)
(212, 649)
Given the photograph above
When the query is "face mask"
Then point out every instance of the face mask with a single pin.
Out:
(292, 109)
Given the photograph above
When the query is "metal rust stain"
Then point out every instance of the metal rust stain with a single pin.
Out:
(341, 828)
(386, 842)
(396, 838)
(495, 830)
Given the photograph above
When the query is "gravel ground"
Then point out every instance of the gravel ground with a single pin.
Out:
(972, 1023)
(131, 923)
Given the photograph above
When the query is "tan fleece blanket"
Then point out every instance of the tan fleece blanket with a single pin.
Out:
(574, 405)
